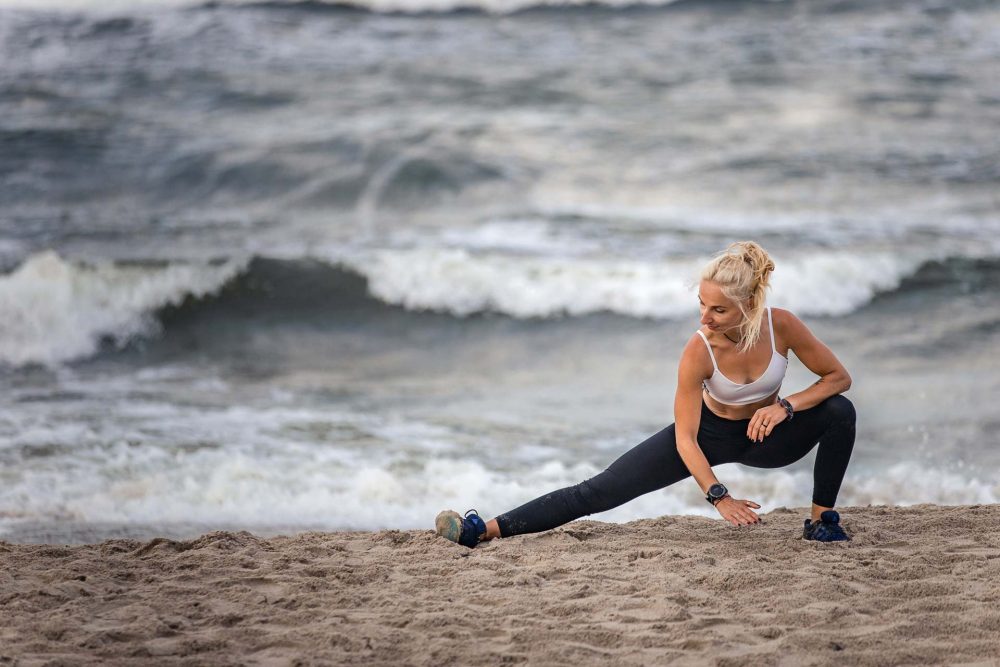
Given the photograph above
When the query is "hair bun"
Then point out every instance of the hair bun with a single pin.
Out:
(758, 259)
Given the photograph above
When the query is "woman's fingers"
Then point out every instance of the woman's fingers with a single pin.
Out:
(762, 423)
(743, 518)
(738, 512)
(761, 431)
(742, 515)
(757, 428)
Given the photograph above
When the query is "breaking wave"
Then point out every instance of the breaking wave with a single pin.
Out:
(53, 310)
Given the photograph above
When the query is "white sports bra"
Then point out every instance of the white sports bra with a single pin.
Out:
(726, 391)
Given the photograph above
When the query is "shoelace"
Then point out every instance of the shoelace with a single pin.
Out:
(472, 528)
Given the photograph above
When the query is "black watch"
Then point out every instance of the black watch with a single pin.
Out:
(716, 492)
(783, 402)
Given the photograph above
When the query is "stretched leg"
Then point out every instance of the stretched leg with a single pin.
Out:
(651, 465)
(832, 425)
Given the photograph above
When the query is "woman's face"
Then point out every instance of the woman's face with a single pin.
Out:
(718, 313)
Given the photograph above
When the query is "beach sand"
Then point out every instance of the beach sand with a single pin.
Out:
(917, 586)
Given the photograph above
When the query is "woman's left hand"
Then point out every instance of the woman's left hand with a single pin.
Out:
(764, 421)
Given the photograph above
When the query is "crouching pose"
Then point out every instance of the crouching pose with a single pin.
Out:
(727, 409)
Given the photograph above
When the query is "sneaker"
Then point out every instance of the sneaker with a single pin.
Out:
(827, 529)
(467, 532)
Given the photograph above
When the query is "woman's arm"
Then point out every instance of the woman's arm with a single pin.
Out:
(695, 366)
(817, 357)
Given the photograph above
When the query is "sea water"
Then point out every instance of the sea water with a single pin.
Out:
(285, 265)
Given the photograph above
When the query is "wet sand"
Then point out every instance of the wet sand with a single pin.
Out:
(917, 586)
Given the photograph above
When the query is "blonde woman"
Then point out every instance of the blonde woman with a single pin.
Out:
(727, 409)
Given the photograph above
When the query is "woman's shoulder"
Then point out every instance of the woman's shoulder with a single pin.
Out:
(696, 354)
(788, 327)
(783, 318)
(697, 340)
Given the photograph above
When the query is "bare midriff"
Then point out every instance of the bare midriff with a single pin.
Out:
(727, 411)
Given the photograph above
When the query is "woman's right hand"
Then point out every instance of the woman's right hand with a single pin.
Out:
(738, 512)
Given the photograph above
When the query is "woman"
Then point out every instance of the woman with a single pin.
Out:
(726, 410)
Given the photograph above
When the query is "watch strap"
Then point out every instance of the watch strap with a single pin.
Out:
(715, 499)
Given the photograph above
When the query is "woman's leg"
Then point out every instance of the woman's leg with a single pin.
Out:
(651, 465)
(832, 425)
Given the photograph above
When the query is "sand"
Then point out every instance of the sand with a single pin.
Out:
(917, 586)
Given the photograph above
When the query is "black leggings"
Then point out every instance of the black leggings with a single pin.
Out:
(655, 463)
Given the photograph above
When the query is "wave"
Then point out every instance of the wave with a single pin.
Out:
(498, 7)
(460, 282)
(374, 6)
(825, 283)
(54, 311)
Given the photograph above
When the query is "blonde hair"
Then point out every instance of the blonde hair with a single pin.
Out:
(742, 271)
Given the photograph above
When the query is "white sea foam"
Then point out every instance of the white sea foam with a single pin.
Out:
(306, 486)
(53, 311)
(463, 281)
(158, 462)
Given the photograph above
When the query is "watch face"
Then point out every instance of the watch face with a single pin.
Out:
(717, 490)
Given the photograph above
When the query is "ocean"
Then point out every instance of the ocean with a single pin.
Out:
(286, 266)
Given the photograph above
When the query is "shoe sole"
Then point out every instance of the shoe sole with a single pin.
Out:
(448, 525)
(807, 539)
(813, 539)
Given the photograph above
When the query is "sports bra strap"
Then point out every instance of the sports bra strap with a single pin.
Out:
(709, 346)
(770, 324)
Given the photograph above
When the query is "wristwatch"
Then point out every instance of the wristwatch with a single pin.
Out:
(783, 402)
(716, 492)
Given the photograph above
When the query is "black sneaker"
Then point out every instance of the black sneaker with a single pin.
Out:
(467, 532)
(827, 529)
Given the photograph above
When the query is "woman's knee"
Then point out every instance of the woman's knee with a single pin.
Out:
(612, 488)
(597, 494)
(840, 409)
